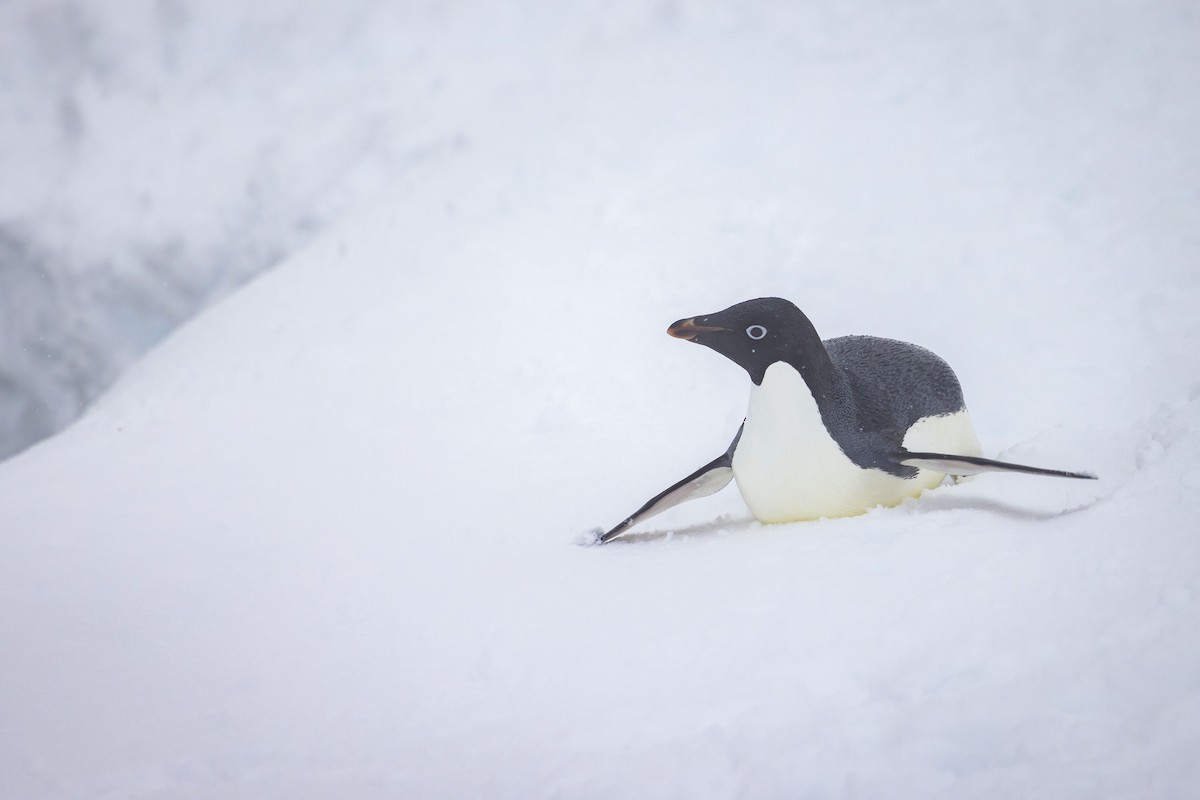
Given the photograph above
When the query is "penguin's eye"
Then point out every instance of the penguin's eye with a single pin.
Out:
(756, 332)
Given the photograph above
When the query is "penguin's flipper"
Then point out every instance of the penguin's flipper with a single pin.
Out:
(973, 465)
(709, 479)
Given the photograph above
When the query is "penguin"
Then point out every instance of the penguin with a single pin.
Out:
(834, 427)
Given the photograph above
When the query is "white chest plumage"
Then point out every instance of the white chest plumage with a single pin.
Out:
(788, 467)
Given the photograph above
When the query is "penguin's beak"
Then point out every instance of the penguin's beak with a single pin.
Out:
(689, 329)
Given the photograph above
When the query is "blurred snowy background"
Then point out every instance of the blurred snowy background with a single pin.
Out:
(319, 542)
(157, 154)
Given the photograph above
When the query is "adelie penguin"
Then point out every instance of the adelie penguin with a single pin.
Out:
(834, 427)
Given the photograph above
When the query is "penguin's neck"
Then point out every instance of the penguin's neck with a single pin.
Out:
(810, 358)
(828, 385)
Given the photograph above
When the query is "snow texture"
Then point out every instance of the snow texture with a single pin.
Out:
(324, 540)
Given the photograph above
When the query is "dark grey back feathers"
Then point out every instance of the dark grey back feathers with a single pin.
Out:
(885, 387)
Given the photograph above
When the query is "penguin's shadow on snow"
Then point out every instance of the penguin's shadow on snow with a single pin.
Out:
(933, 505)
(929, 504)
(935, 502)
(710, 528)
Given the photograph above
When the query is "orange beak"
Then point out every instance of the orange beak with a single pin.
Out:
(688, 329)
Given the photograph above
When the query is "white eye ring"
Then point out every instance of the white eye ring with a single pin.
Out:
(756, 332)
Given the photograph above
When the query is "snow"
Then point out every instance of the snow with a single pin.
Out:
(158, 154)
(323, 540)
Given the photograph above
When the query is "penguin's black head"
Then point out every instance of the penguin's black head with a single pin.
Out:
(754, 334)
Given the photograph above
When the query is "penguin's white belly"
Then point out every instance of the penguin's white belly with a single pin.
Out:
(788, 467)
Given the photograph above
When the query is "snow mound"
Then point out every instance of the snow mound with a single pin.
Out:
(318, 542)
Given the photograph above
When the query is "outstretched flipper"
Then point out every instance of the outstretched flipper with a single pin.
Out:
(709, 479)
(973, 465)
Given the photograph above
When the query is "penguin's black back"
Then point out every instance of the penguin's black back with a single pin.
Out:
(892, 385)
(903, 381)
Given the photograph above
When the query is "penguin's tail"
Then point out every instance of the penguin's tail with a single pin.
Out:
(973, 465)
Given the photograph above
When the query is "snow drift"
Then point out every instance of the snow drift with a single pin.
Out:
(321, 541)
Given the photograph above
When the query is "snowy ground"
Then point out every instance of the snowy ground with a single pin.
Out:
(321, 542)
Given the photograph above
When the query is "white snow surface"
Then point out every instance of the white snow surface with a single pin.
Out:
(322, 541)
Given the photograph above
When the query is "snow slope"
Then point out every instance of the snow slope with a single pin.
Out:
(321, 542)
(156, 154)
